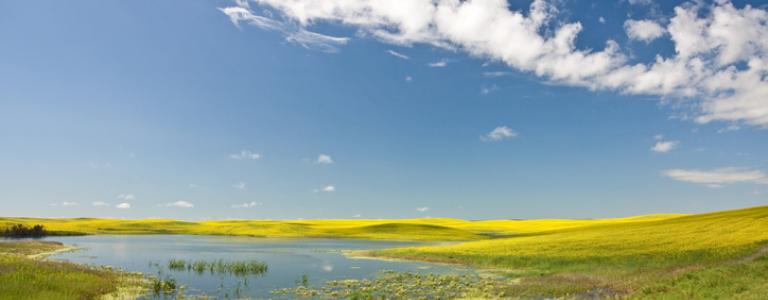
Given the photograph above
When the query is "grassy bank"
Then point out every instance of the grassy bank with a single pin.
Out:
(700, 256)
(24, 277)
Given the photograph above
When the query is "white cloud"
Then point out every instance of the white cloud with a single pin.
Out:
(643, 30)
(498, 134)
(324, 159)
(640, 2)
(601, 20)
(329, 189)
(181, 204)
(293, 33)
(422, 209)
(718, 177)
(100, 203)
(245, 155)
(64, 203)
(123, 205)
(485, 90)
(439, 64)
(408, 78)
(720, 61)
(663, 146)
(240, 185)
(496, 74)
(247, 204)
(126, 197)
(398, 54)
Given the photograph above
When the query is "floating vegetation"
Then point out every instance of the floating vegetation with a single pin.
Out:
(406, 285)
(160, 286)
(237, 268)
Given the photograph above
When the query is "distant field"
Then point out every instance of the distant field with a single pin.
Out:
(401, 229)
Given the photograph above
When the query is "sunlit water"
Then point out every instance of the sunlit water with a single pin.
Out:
(288, 260)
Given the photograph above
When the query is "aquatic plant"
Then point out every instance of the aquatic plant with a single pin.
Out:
(164, 286)
(406, 285)
(237, 268)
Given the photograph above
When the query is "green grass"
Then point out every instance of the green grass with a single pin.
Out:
(22, 277)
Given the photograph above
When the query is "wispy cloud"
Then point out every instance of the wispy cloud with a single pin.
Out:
(326, 189)
(408, 78)
(485, 90)
(99, 203)
(422, 209)
(64, 203)
(398, 54)
(124, 205)
(718, 177)
(126, 197)
(324, 159)
(247, 204)
(180, 204)
(494, 74)
(240, 185)
(294, 33)
(439, 64)
(245, 155)
(498, 134)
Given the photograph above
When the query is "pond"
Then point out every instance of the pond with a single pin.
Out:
(288, 260)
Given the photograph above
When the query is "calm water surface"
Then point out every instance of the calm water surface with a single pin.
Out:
(288, 260)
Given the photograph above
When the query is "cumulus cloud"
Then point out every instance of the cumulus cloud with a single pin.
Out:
(498, 134)
(398, 54)
(124, 205)
(324, 159)
(180, 204)
(329, 189)
(720, 61)
(245, 155)
(718, 177)
(247, 204)
(422, 209)
(664, 146)
(643, 30)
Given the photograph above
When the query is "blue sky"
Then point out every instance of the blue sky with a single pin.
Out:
(135, 109)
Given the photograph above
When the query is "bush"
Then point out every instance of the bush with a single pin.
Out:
(20, 230)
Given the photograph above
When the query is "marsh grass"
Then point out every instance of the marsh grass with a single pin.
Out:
(237, 268)
(24, 278)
